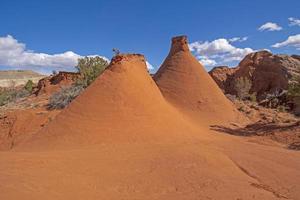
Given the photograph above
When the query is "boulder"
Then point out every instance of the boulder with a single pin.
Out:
(268, 73)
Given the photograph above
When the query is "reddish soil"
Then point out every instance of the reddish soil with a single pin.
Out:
(17, 125)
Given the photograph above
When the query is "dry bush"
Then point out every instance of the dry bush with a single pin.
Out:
(11, 95)
(242, 87)
(64, 97)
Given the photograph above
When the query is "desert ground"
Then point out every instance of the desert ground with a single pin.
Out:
(131, 136)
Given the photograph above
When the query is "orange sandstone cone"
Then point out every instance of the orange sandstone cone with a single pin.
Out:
(184, 82)
(122, 104)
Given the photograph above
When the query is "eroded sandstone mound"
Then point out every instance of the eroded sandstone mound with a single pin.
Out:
(51, 84)
(17, 125)
(184, 82)
(120, 139)
(267, 72)
(124, 103)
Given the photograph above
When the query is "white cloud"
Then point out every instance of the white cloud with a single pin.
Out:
(270, 26)
(15, 54)
(238, 39)
(149, 66)
(294, 21)
(218, 52)
(206, 61)
(293, 40)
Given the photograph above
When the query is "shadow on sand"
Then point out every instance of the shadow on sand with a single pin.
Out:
(260, 129)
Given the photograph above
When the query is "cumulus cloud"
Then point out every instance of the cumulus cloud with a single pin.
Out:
(218, 52)
(293, 41)
(206, 61)
(15, 54)
(270, 26)
(238, 39)
(294, 21)
(149, 66)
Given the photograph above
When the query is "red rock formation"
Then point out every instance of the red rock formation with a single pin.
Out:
(53, 83)
(267, 72)
(297, 106)
(122, 104)
(221, 75)
(184, 82)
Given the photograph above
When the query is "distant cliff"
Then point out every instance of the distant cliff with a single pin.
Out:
(12, 78)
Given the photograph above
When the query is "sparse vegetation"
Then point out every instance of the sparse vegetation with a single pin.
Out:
(252, 97)
(64, 97)
(294, 95)
(116, 51)
(90, 68)
(294, 87)
(11, 95)
(29, 86)
(281, 108)
(242, 86)
(54, 72)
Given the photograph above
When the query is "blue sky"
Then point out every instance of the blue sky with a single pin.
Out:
(94, 27)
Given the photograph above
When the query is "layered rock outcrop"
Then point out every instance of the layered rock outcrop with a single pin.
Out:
(51, 84)
(267, 72)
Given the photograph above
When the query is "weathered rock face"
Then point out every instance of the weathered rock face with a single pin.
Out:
(221, 76)
(297, 106)
(297, 57)
(267, 72)
(53, 83)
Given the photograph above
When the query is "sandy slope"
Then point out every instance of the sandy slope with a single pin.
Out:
(124, 104)
(212, 166)
(122, 140)
(185, 83)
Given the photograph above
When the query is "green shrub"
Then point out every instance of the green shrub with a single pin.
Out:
(252, 97)
(294, 87)
(4, 98)
(29, 86)
(90, 68)
(64, 97)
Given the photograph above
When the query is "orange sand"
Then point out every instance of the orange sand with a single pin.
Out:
(185, 83)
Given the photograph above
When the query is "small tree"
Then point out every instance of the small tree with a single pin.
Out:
(90, 68)
(54, 72)
(242, 87)
(294, 87)
(116, 51)
(29, 86)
